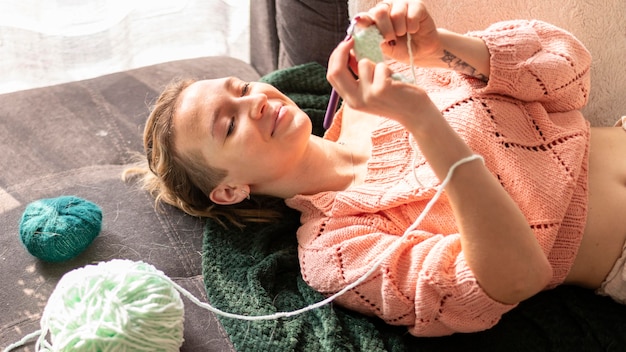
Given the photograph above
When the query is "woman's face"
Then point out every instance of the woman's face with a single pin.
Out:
(251, 130)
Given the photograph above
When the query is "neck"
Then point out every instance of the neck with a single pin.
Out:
(325, 166)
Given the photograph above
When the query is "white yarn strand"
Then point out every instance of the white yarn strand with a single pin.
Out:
(23, 341)
(41, 334)
(409, 48)
(354, 284)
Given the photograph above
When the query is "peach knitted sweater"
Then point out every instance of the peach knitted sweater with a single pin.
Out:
(525, 123)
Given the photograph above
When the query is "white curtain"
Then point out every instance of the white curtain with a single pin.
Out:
(44, 42)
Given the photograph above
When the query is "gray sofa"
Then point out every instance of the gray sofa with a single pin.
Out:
(77, 138)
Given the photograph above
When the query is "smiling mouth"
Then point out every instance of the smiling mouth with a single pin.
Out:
(277, 117)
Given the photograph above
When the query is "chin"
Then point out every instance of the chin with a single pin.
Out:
(302, 121)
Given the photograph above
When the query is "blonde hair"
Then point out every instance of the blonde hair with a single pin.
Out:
(185, 181)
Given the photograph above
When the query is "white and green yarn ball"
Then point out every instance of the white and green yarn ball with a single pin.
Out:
(120, 305)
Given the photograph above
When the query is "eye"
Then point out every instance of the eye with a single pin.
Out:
(245, 89)
(231, 127)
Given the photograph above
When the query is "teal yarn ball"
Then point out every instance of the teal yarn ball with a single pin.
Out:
(119, 305)
(59, 229)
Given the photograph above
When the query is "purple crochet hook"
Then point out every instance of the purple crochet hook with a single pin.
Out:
(331, 109)
(334, 96)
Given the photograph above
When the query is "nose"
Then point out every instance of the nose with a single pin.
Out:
(256, 105)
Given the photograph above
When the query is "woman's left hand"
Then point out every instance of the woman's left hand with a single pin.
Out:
(430, 46)
(396, 18)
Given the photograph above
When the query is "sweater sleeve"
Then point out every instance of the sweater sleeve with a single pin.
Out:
(536, 61)
(424, 284)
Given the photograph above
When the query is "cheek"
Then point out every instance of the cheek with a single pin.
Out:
(269, 159)
(299, 131)
(266, 160)
(260, 167)
(255, 157)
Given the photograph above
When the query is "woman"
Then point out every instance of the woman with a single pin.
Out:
(540, 211)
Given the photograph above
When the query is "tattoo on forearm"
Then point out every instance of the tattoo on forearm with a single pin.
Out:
(459, 65)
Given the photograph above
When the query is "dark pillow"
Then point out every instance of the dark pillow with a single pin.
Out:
(308, 30)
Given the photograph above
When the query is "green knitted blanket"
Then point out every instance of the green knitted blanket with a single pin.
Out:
(255, 271)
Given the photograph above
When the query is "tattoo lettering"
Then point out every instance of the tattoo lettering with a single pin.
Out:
(459, 65)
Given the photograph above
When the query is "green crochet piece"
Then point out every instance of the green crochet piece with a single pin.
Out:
(367, 44)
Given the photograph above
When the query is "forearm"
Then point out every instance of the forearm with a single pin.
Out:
(468, 55)
(496, 239)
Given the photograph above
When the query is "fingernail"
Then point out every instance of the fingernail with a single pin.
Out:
(357, 18)
(348, 37)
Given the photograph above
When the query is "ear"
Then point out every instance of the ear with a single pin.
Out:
(227, 195)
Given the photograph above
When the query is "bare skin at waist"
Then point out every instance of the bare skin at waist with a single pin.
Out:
(605, 231)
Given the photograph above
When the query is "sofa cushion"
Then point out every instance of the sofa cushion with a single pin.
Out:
(285, 33)
(322, 23)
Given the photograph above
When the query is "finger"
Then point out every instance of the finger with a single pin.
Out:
(416, 13)
(366, 70)
(382, 73)
(373, 84)
(353, 65)
(394, 19)
(363, 20)
(338, 73)
(398, 16)
(381, 18)
(338, 59)
(387, 4)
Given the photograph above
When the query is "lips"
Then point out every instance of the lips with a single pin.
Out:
(277, 114)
